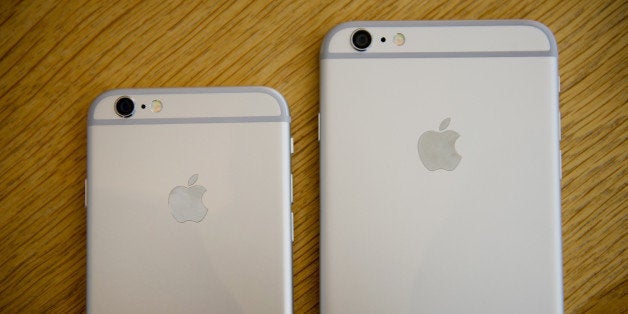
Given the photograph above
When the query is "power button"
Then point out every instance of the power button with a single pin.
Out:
(318, 130)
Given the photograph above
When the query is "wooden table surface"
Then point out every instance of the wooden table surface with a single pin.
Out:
(55, 58)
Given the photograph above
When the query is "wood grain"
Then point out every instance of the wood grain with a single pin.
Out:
(56, 57)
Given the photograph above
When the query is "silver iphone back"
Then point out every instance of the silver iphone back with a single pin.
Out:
(188, 202)
(440, 168)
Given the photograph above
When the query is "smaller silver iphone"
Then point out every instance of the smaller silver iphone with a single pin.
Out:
(188, 200)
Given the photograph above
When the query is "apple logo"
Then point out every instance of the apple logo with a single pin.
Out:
(437, 150)
(186, 203)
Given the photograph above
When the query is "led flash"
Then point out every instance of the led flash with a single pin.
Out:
(156, 106)
(399, 39)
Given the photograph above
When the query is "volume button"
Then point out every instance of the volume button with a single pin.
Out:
(292, 226)
(291, 190)
(560, 165)
(85, 193)
(560, 131)
(560, 127)
(291, 145)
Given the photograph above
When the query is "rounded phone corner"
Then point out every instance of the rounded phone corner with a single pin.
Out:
(549, 35)
(281, 100)
(324, 53)
(92, 107)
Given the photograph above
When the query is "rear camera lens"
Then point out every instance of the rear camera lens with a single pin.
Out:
(125, 107)
(361, 39)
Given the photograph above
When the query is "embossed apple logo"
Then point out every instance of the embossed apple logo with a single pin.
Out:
(437, 150)
(186, 203)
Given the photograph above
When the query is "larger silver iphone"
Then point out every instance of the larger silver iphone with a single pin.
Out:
(188, 198)
(440, 168)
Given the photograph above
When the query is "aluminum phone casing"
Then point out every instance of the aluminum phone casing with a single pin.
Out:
(483, 238)
(238, 259)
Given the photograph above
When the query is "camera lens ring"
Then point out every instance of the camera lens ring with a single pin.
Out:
(361, 39)
(124, 107)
